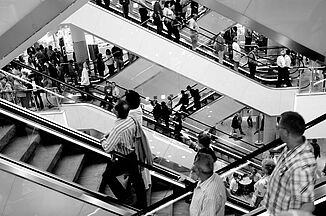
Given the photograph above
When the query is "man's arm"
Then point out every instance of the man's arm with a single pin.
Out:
(302, 187)
(110, 141)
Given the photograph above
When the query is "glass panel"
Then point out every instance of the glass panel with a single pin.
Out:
(31, 195)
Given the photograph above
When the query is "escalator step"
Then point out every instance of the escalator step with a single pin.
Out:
(46, 157)
(69, 166)
(21, 148)
(91, 176)
(7, 132)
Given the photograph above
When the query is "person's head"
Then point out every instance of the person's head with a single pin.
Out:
(291, 126)
(282, 52)
(204, 140)
(314, 140)
(113, 84)
(182, 92)
(235, 39)
(108, 52)
(50, 47)
(188, 87)
(133, 99)
(163, 103)
(287, 52)
(235, 175)
(268, 166)
(203, 166)
(99, 55)
(121, 109)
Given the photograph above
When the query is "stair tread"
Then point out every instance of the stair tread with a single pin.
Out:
(91, 176)
(20, 145)
(44, 156)
(69, 165)
(6, 133)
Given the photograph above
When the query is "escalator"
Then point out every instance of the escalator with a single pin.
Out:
(67, 156)
(20, 28)
(184, 61)
(264, 17)
(227, 151)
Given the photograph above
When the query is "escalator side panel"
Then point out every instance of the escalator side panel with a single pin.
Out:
(181, 60)
(17, 192)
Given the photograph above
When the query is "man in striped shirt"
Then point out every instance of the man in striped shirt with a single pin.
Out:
(122, 139)
(291, 185)
(210, 194)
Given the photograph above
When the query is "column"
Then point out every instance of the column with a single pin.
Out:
(269, 129)
(79, 43)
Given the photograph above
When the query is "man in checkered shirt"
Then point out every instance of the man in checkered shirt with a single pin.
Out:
(291, 186)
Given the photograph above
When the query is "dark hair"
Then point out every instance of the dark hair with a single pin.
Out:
(204, 139)
(122, 109)
(133, 99)
(269, 165)
(314, 140)
(293, 122)
(108, 51)
(205, 163)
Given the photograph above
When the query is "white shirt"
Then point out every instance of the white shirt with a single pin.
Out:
(234, 185)
(137, 114)
(287, 60)
(280, 61)
(115, 92)
(236, 51)
(209, 197)
(85, 77)
(168, 13)
(193, 25)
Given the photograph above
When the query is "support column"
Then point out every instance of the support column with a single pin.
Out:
(79, 43)
(269, 129)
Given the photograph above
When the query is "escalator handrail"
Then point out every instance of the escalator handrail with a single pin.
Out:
(71, 135)
(98, 98)
(242, 54)
(240, 162)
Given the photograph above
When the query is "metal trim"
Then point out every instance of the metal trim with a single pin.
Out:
(61, 187)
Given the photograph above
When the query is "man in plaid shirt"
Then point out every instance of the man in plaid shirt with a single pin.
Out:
(291, 185)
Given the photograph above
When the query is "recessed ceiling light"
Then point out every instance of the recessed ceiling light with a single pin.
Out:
(210, 111)
(158, 152)
(167, 161)
(207, 107)
(169, 156)
(209, 116)
(183, 156)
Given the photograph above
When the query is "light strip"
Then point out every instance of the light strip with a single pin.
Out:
(168, 203)
(234, 169)
(236, 207)
(153, 173)
(320, 200)
(278, 147)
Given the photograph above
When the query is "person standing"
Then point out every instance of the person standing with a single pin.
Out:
(248, 39)
(125, 8)
(280, 67)
(115, 92)
(170, 21)
(260, 186)
(184, 101)
(108, 96)
(143, 13)
(165, 113)
(316, 148)
(85, 80)
(220, 46)
(100, 65)
(252, 62)
(236, 53)
(291, 185)
(122, 139)
(194, 30)
(109, 61)
(158, 16)
(287, 60)
(209, 196)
